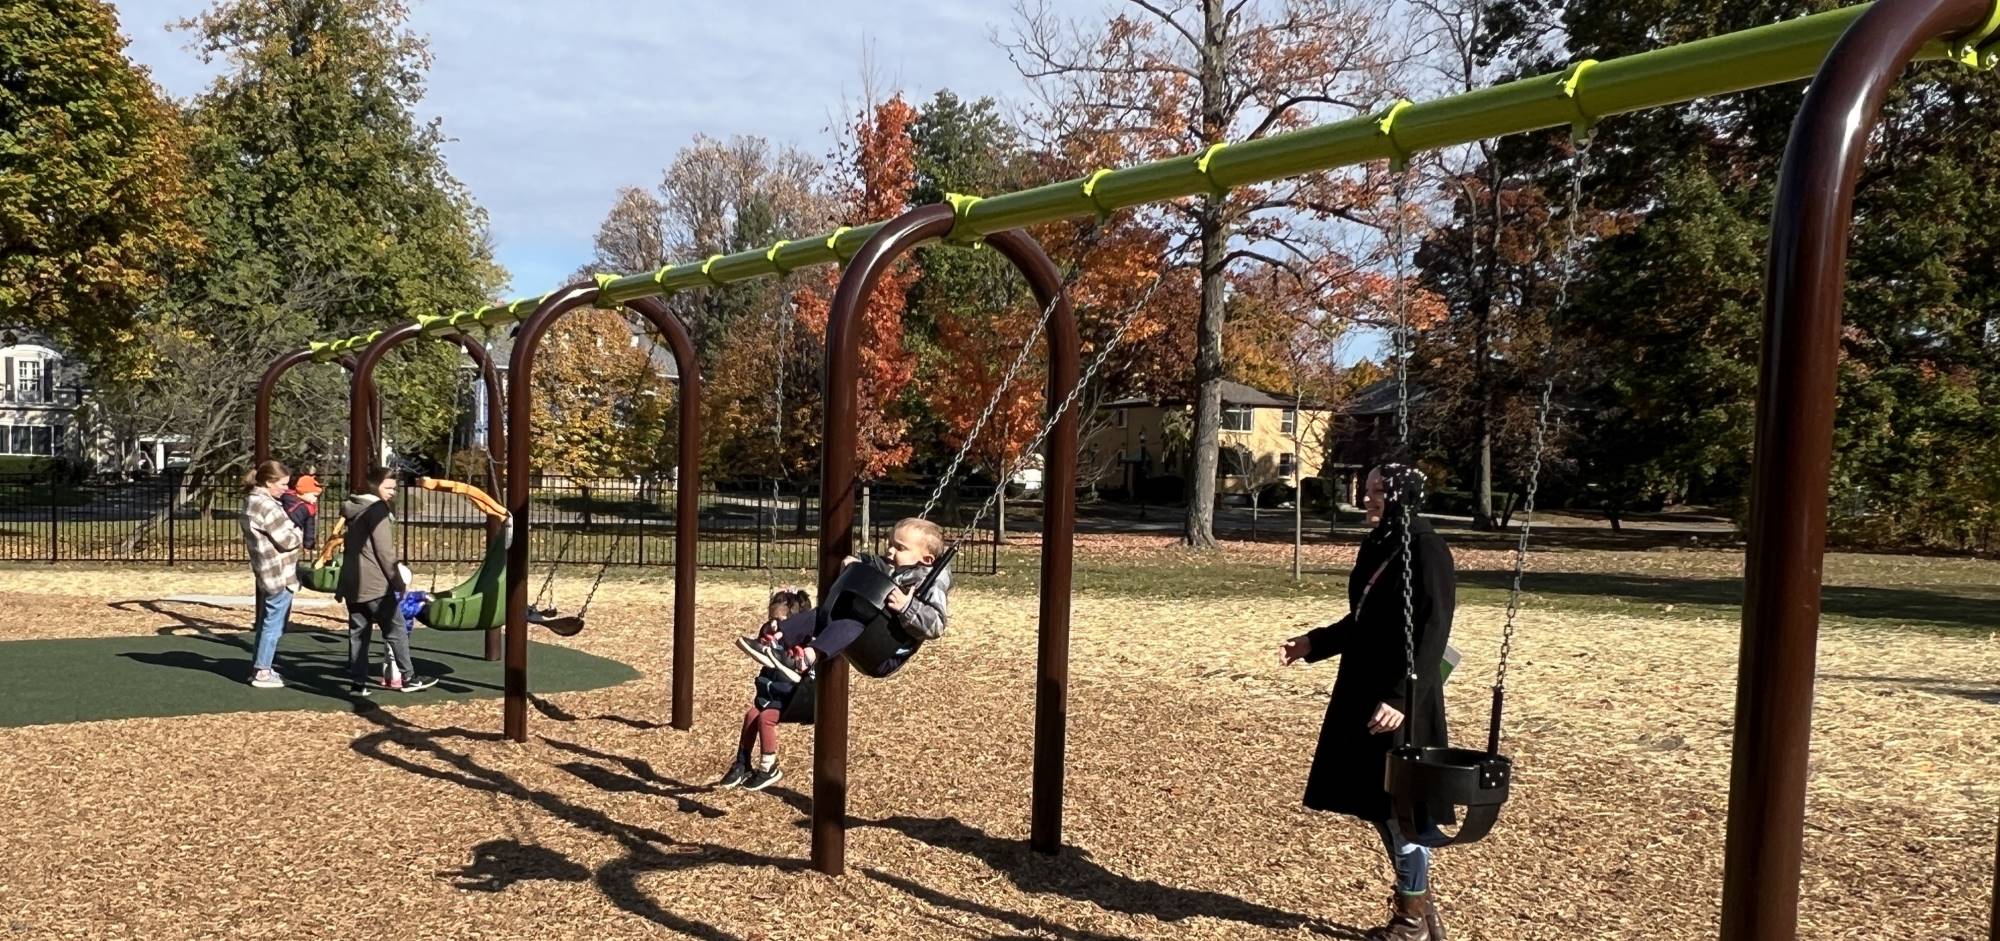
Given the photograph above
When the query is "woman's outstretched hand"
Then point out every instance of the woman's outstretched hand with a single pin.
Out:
(1294, 650)
(1387, 719)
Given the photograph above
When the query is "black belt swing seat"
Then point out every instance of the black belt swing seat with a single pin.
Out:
(1423, 780)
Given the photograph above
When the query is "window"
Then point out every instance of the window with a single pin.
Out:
(1237, 417)
(28, 380)
(24, 438)
(56, 440)
(1118, 418)
(1230, 463)
(1288, 421)
(39, 441)
(1287, 464)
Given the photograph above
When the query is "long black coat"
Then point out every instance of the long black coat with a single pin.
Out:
(1347, 766)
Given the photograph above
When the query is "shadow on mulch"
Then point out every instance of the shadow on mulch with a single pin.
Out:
(498, 864)
(646, 850)
(1988, 693)
(1860, 603)
(1072, 874)
(559, 714)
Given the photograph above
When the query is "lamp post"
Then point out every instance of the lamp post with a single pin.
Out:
(1139, 474)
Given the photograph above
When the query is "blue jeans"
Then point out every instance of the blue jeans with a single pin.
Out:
(1411, 861)
(273, 610)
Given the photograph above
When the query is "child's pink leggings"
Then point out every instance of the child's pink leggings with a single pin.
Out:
(762, 725)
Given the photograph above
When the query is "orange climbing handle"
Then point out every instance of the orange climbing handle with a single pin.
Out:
(479, 498)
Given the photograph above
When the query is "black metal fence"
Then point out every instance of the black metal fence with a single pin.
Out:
(573, 521)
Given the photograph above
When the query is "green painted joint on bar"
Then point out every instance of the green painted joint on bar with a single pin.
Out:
(1090, 193)
(771, 255)
(1385, 127)
(1202, 163)
(1976, 48)
(962, 234)
(598, 301)
(1572, 89)
(708, 272)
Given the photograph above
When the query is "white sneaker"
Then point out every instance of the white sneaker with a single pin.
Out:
(267, 679)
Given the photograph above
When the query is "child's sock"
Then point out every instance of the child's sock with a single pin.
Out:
(767, 762)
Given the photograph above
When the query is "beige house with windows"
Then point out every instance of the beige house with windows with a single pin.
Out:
(1265, 438)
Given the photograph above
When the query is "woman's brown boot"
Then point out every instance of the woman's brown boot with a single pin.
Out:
(1409, 920)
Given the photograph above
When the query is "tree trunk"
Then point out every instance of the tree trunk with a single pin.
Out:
(1488, 260)
(1000, 516)
(1200, 529)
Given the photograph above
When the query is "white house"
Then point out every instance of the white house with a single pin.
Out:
(38, 399)
(44, 409)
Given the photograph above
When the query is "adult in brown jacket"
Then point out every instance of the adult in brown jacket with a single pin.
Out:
(372, 584)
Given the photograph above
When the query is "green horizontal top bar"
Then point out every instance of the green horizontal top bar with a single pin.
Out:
(1578, 96)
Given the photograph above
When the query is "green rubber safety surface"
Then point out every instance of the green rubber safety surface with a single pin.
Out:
(88, 679)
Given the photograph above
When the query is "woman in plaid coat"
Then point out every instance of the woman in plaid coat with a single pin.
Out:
(273, 540)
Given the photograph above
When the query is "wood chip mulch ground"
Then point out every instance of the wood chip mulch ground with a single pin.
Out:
(1187, 753)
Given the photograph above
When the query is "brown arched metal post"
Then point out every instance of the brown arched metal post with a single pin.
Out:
(364, 431)
(1804, 287)
(687, 502)
(520, 410)
(836, 537)
(260, 422)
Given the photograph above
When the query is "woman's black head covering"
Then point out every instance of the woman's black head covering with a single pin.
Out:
(1402, 491)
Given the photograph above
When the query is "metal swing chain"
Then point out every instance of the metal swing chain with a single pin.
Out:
(602, 570)
(1405, 344)
(1013, 369)
(1566, 274)
(1055, 417)
(549, 581)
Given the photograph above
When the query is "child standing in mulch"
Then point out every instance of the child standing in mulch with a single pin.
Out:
(774, 693)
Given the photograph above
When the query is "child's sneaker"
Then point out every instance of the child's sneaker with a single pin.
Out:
(790, 664)
(764, 654)
(417, 684)
(360, 688)
(738, 773)
(267, 679)
(763, 778)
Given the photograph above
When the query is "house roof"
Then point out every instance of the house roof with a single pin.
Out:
(1233, 393)
(1379, 398)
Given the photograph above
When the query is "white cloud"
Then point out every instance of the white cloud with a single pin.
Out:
(551, 106)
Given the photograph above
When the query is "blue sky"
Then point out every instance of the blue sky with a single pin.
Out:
(551, 105)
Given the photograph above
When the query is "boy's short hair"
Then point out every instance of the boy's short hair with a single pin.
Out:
(930, 536)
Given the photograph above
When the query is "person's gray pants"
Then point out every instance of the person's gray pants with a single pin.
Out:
(362, 619)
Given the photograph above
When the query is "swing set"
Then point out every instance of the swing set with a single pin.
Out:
(1852, 55)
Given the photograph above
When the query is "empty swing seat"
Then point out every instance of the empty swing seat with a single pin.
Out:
(480, 602)
(1421, 778)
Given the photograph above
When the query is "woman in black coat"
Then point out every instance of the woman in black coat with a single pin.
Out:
(1371, 694)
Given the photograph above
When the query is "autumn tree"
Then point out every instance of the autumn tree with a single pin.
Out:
(602, 402)
(1163, 80)
(94, 179)
(878, 171)
(719, 197)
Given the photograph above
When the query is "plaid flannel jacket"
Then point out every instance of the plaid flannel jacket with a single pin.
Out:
(273, 540)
